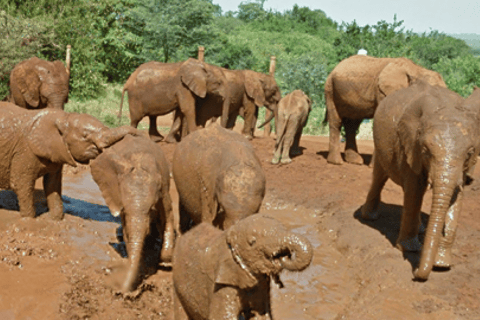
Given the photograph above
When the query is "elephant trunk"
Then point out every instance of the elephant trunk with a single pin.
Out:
(109, 137)
(442, 196)
(225, 111)
(269, 118)
(135, 257)
(300, 250)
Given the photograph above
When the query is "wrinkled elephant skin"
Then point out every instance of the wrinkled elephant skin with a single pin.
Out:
(38, 143)
(293, 111)
(425, 135)
(353, 91)
(218, 177)
(222, 274)
(157, 88)
(134, 178)
(38, 84)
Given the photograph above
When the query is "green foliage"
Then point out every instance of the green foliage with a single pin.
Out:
(251, 10)
(461, 74)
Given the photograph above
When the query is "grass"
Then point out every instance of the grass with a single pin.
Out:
(105, 108)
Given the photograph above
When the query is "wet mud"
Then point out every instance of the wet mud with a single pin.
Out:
(71, 269)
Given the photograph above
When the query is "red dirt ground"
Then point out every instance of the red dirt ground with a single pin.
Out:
(69, 269)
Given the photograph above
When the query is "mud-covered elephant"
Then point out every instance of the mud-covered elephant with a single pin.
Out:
(37, 84)
(218, 176)
(425, 135)
(225, 274)
(37, 143)
(293, 111)
(157, 88)
(134, 178)
(248, 90)
(353, 91)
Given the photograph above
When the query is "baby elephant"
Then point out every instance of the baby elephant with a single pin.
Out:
(134, 178)
(218, 177)
(293, 111)
(224, 274)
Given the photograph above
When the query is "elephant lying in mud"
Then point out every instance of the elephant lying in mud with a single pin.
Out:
(425, 135)
(38, 143)
(218, 177)
(134, 178)
(293, 111)
(38, 84)
(353, 91)
(224, 274)
(157, 88)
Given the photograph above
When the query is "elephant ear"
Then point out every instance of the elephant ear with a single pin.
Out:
(194, 75)
(392, 78)
(228, 271)
(254, 88)
(409, 132)
(46, 137)
(29, 84)
(105, 171)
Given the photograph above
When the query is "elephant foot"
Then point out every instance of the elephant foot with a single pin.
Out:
(156, 138)
(353, 157)
(443, 259)
(57, 216)
(275, 160)
(369, 214)
(410, 245)
(249, 137)
(286, 160)
(170, 139)
(334, 158)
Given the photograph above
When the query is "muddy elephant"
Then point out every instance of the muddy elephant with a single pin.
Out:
(293, 111)
(425, 135)
(248, 90)
(37, 143)
(38, 84)
(156, 88)
(353, 91)
(134, 178)
(225, 274)
(218, 176)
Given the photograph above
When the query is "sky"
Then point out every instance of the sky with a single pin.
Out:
(447, 16)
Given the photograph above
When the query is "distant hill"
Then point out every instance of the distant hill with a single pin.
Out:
(472, 39)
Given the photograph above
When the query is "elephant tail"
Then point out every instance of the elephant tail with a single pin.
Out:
(119, 116)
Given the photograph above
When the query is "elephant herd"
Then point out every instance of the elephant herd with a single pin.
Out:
(222, 252)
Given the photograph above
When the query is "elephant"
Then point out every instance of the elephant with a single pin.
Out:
(353, 91)
(38, 84)
(37, 143)
(248, 91)
(293, 111)
(218, 176)
(157, 88)
(424, 136)
(134, 178)
(224, 274)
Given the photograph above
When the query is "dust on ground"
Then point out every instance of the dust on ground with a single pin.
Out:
(66, 269)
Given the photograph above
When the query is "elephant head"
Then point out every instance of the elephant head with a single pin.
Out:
(202, 79)
(440, 143)
(63, 137)
(261, 245)
(396, 74)
(40, 84)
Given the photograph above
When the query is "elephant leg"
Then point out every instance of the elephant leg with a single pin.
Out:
(187, 107)
(379, 178)
(165, 207)
(351, 151)
(249, 111)
(290, 133)
(267, 129)
(444, 253)
(175, 128)
(259, 300)
(178, 310)
(295, 151)
(225, 304)
(24, 186)
(335, 125)
(152, 130)
(280, 140)
(414, 191)
(52, 184)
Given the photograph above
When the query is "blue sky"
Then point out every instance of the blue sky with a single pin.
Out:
(448, 16)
